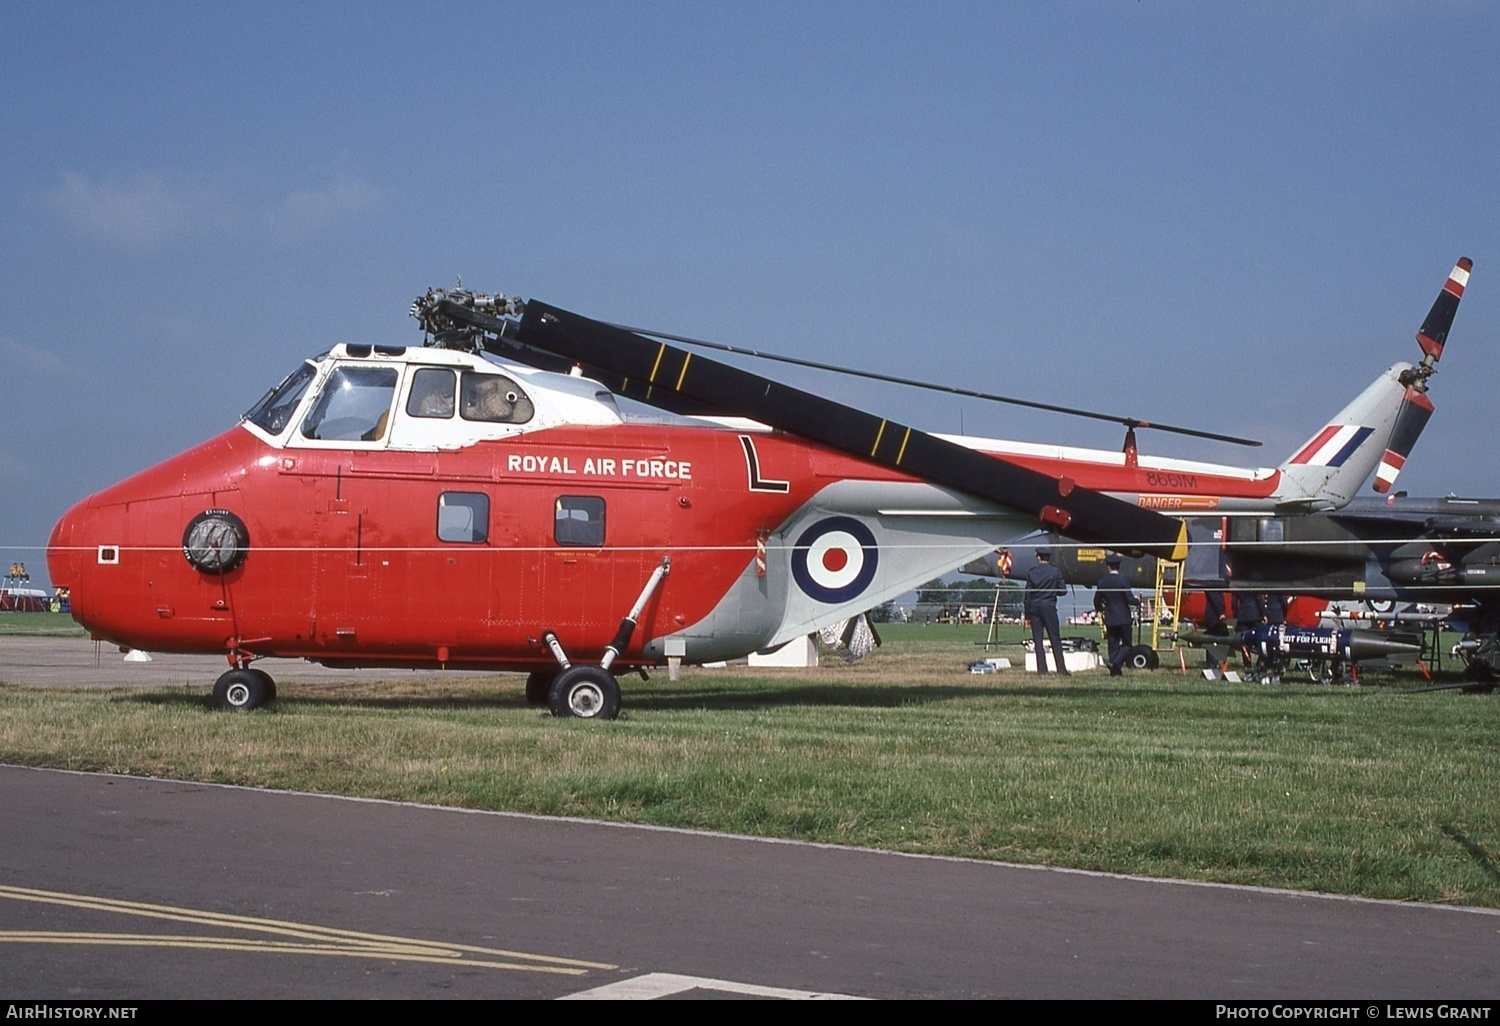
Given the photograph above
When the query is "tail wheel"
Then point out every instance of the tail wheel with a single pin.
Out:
(1142, 657)
(539, 687)
(585, 693)
(243, 690)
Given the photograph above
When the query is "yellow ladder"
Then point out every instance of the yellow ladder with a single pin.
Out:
(1168, 576)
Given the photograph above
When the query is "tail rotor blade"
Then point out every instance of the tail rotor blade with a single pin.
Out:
(1433, 334)
(1416, 408)
(1416, 411)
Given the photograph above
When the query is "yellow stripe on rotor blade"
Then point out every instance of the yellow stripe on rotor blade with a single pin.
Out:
(878, 436)
(686, 357)
(1180, 550)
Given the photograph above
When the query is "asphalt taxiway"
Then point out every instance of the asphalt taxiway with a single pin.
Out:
(124, 888)
(78, 662)
(118, 887)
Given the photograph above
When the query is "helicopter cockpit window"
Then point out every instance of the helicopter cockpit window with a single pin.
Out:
(578, 520)
(276, 407)
(355, 405)
(494, 398)
(432, 391)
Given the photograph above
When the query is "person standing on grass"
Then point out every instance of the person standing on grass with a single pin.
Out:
(1113, 600)
(1044, 585)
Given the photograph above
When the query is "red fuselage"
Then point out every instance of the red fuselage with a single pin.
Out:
(447, 531)
(346, 565)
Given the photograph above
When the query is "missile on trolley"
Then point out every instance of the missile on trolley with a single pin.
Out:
(1278, 642)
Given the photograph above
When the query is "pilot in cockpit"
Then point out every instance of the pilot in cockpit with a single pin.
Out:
(431, 393)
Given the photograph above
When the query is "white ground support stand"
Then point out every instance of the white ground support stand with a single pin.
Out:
(797, 652)
(1074, 661)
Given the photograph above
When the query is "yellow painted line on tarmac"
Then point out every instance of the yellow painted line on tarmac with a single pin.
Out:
(307, 938)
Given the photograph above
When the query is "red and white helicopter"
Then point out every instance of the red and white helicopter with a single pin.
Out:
(482, 502)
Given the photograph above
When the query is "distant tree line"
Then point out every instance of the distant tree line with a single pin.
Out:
(938, 592)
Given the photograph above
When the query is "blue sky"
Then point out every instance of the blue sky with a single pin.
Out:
(1226, 215)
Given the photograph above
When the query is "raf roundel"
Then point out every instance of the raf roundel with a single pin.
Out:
(834, 560)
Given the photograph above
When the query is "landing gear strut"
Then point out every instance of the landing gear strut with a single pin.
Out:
(591, 692)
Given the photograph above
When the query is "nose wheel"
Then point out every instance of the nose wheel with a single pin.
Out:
(244, 689)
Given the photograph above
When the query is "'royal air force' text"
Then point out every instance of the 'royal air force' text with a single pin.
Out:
(600, 466)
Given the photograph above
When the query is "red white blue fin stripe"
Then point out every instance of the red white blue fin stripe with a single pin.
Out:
(1333, 445)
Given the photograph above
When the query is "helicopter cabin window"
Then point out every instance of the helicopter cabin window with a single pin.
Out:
(275, 409)
(355, 405)
(463, 517)
(578, 520)
(432, 391)
(494, 398)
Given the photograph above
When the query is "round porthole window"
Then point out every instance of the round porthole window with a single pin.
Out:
(215, 541)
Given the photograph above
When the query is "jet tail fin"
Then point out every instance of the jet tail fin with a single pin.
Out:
(1376, 432)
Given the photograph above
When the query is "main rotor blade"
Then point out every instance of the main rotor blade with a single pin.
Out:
(498, 339)
(1129, 422)
(664, 370)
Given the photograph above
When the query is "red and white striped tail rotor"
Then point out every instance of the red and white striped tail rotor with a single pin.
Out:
(1416, 407)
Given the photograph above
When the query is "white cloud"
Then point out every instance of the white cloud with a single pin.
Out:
(148, 211)
(12, 352)
(309, 211)
(145, 211)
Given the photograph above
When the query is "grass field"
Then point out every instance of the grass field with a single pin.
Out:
(39, 625)
(1357, 790)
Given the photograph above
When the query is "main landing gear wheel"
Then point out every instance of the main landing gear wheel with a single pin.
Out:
(1482, 678)
(1142, 657)
(539, 687)
(585, 692)
(270, 684)
(242, 690)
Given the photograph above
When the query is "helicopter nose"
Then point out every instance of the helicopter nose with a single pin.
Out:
(64, 551)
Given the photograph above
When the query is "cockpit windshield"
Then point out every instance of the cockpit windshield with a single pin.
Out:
(355, 405)
(276, 407)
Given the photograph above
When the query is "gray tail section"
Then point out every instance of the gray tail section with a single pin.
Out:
(1377, 431)
(1329, 468)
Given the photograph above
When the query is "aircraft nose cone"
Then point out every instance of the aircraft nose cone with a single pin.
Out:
(65, 553)
(59, 544)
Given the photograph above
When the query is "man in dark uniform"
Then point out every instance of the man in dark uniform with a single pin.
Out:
(1112, 600)
(1249, 613)
(1044, 583)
